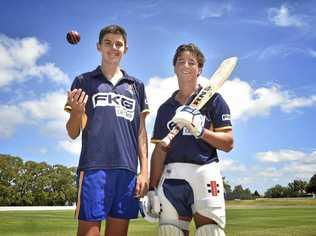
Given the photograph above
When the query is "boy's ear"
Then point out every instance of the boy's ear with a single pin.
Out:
(200, 72)
(126, 49)
(98, 46)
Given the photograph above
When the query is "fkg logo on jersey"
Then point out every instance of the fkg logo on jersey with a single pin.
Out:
(124, 106)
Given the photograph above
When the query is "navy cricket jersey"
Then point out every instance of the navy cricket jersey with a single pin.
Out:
(185, 147)
(110, 138)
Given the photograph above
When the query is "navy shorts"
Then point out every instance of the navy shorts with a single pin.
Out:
(103, 193)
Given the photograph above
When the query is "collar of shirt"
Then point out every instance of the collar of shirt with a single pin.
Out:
(172, 100)
(97, 73)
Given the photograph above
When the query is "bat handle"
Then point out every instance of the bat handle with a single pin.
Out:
(165, 142)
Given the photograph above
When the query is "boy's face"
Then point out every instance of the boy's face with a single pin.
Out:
(112, 48)
(187, 67)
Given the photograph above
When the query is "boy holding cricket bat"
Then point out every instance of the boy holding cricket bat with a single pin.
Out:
(185, 176)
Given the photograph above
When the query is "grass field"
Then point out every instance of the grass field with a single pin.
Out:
(244, 218)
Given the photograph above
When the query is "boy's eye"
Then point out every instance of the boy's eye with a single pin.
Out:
(118, 44)
(192, 63)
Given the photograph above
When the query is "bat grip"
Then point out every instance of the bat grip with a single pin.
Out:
(165, 142)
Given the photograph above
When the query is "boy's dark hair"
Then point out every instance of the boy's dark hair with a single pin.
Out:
(191, 47)
(113, 29)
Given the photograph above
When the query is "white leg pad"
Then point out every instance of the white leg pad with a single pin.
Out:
(168, 214)
(210, 230)
(169, 230)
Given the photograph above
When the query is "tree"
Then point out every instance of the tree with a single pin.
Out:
(30, 185)
(256, 194)
(9, 168)
(311, 187)
(240, 193)
(296, 188)
(62, 188)
(228, 190)
(276, 192)
(35, 184)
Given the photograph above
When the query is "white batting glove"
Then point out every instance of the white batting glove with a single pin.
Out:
(154, 203)
(190, 118)
(150, 207)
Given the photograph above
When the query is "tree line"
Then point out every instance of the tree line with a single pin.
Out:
(35, 184)
(297, 188)
(38, 184)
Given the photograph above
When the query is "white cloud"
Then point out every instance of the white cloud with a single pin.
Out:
(73, 146)
(295, 103)
(244, 101)
(300, 170)
(158, 91)
(48, 107)
(10, 116)
(282, 17)
(279, 51)
(282, 51)
(280, 156)
(292, 164)
(312, 53)
(46, 113)
(215, 10)
(270, 172)
(19, 61)
(229, 165)
(275, 167)
(43, 151)
(51, 71)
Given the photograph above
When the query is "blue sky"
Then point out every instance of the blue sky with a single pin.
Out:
(272, 92)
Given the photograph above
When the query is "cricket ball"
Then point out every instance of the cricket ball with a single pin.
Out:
(73, 37)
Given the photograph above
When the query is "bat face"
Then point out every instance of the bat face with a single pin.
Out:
(217, 80)
(201, 96)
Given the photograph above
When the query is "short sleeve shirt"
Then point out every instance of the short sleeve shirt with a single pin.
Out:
(110, 138)
(185, 147)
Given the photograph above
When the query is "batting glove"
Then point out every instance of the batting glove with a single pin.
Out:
(190, 118)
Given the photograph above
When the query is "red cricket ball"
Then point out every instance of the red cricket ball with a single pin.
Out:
(73, 37)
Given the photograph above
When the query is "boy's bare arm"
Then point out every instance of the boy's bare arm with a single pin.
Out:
(142, 179)
(156, 165)
(77, 100)
(222, 140)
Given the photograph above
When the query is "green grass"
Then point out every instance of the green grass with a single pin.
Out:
(272, 222)
(266, 203)
(244, 218)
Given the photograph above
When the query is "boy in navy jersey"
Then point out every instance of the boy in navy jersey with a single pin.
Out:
(108, 107)
(186, 176)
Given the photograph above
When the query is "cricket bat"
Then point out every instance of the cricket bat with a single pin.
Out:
(216, 81)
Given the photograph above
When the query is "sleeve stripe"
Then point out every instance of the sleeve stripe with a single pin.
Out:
(155, 141)
(67, 108)
(145, 110)
(223, 128)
